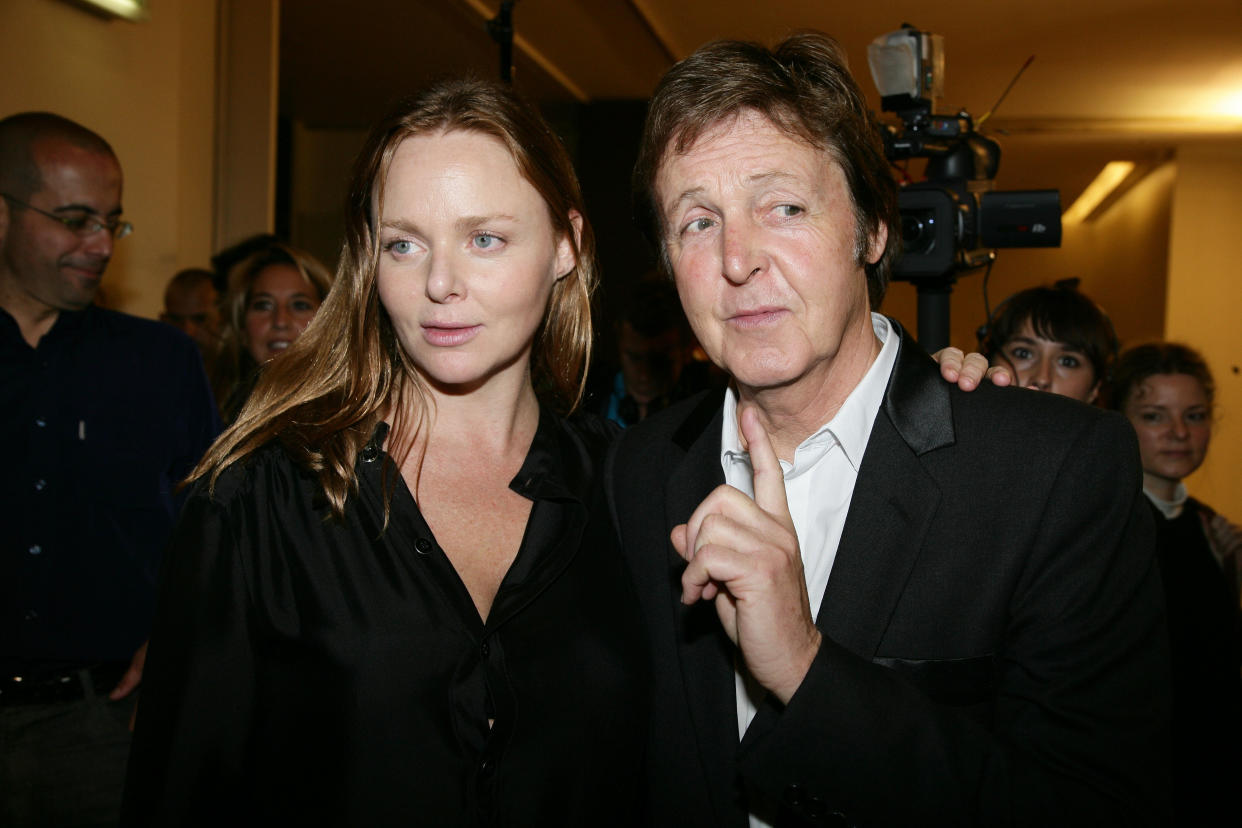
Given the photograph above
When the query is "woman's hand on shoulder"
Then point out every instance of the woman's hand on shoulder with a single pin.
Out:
(968, 370)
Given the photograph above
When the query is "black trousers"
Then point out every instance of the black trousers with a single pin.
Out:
(62, 763)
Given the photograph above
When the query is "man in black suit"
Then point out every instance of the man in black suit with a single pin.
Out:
(934, 607)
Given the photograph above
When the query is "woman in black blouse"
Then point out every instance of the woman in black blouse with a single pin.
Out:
(394, 596)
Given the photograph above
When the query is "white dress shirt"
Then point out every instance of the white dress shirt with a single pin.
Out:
(818, 484)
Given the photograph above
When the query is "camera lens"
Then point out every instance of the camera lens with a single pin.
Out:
(918, 230)
(927, 232)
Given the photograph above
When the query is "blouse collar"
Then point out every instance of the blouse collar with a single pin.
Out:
(1169, 508)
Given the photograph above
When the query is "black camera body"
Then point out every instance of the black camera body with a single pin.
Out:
(954, 219)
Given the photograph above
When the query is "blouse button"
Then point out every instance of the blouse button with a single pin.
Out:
(485, 649)
(423, 546)
(369, 452)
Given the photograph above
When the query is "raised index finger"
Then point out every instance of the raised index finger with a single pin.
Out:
(769, 478)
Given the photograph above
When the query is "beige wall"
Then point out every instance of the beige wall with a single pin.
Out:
(249, 40)
(1122, 256)
(1205, 301)
(149, 88)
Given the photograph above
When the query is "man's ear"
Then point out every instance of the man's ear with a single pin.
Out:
(566, 255)
(876, 243)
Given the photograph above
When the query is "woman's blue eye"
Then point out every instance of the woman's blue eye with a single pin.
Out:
(483, 241)
(400, 246)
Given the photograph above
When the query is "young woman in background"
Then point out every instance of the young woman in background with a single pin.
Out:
(1051, 339)
(1166, 391)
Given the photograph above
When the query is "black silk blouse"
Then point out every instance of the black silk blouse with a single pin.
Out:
(310, 670)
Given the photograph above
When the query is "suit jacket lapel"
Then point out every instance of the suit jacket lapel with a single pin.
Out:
(893, 503)
(705, 651)
(892, 506)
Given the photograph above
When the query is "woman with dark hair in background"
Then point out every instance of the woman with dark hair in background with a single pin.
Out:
(1166, 391)
(394, 597)
(272, 295)
(1052, 339)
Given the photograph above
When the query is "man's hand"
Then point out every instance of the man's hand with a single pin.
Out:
(132, 677)
(130, 681)
(744, 555)
(968, 370)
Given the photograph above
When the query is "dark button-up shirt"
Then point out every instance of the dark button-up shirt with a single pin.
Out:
(309, 670)
(100, 422)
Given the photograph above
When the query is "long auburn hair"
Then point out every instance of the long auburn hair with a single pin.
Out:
(324, 397)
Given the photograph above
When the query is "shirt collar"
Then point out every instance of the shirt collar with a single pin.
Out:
(547, 473)
(551, 471)
(850, 426)
(1170, 508)
(67, 323)
(9, 329)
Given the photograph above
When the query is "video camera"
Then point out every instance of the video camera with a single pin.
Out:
(951, 221)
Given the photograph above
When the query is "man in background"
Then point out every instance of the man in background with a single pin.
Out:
(101, 414)
(655, 364)
(191, 304)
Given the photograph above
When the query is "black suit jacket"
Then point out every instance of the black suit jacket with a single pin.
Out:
(994, 650)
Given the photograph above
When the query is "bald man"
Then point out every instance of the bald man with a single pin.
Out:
(100, 415)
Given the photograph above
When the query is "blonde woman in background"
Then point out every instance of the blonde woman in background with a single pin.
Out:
(272, 296)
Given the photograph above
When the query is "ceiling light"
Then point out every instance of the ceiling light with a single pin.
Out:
(1110, 177)
(1231, 105)
(133, 10)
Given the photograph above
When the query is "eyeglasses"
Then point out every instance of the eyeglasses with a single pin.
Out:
(81, 223)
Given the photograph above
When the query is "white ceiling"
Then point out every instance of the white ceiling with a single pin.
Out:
(1110, 78)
